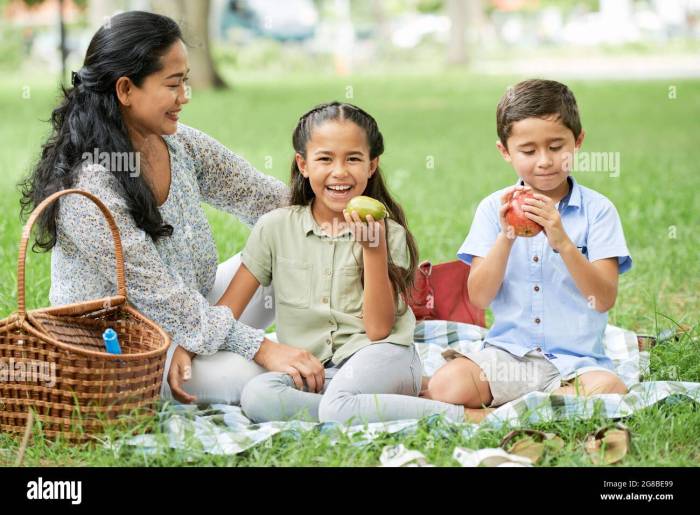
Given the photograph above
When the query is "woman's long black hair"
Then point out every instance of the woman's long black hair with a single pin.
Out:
(88, 119)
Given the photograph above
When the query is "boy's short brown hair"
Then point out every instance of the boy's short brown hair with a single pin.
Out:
(537, 98)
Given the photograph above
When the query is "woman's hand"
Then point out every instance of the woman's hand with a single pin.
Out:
(298, 363)
(181, 372)
(371, 234)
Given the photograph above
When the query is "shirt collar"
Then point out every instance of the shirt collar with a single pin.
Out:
(308, 222)
(572, 198)
(310, 225)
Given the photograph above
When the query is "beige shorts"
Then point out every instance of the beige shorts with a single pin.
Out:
(509, 376)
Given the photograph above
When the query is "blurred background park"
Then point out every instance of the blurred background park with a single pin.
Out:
(432, 72)
(585, 38)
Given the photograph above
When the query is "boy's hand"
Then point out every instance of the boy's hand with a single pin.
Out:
(506, 229)
(542, 210)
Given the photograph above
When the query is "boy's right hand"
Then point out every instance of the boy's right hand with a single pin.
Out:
(506, 229)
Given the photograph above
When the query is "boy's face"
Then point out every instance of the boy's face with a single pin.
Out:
(541, 150)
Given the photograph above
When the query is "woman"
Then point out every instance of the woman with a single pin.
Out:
(116, 134)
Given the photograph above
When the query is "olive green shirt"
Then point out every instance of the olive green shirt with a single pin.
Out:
(316, 279)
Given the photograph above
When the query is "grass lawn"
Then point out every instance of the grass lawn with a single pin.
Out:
(440, 161)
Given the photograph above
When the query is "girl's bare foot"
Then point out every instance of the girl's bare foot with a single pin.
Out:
(424, 392)
(476, 415)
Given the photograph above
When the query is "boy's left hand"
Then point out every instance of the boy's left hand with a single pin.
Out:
(542, 210)
(370, 233)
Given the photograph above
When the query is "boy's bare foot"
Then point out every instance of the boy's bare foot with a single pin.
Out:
(476, 415)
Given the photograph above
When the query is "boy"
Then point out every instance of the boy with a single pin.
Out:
(549, 293)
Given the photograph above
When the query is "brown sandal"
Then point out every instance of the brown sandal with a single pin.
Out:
(533, 445)
(609, 444)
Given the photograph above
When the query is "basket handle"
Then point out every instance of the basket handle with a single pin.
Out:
(26, 232)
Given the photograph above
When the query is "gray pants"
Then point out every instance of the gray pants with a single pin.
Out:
(379, 383)
(220, 377)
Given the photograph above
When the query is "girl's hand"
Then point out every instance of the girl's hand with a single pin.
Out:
(181, 372)
(506, 229)
(542, 210)
(303, 366)
(370, 234)
(378, 308)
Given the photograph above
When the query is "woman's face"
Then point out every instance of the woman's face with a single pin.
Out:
(154, 107)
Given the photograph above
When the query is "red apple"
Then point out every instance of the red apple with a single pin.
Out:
(515, 216)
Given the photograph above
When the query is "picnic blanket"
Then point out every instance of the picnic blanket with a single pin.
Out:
(224, 430)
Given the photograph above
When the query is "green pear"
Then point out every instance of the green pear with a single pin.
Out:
(366, 206)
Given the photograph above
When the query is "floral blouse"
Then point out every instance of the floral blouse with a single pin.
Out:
(167, 281)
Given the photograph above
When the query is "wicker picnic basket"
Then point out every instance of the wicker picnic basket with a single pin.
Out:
(88, 389)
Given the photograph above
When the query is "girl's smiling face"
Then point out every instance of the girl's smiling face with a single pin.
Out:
(337, 164)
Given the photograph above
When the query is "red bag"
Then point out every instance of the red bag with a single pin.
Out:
(440, 293)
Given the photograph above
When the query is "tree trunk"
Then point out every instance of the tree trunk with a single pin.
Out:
(476, 22)
(193, 17)
(382, 24)
(344, 37)
(63, 46)
(456, 49)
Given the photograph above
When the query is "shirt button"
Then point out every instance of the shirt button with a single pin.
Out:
(328, 341)
(325, 300)
(537, 320)
(330, 322)
(537, 288)
(535, 259)
(328, 272)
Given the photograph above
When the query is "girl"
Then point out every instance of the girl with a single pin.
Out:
(338, 283)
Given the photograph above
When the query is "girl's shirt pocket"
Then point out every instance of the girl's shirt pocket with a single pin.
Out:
(292, 279)
(347, 291)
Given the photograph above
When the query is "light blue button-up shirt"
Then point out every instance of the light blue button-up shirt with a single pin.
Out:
(538, 304)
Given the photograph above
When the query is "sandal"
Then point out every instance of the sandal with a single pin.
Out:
(609, 444)
(400, 456)
(645, 342)
(489, 458)
(533, 445)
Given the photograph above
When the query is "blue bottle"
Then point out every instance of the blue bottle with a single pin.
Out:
(111, 341)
